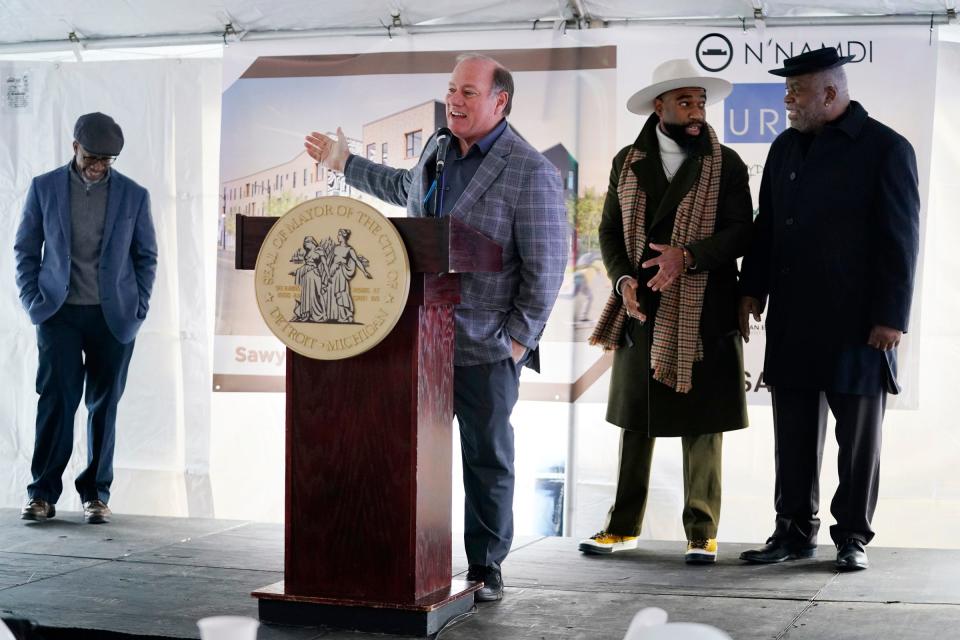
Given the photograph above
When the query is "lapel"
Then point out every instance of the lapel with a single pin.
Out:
(62, 205)
(648, 172)
(114, 198)
(426, 177)
(681, 184)
(646, 168)
(488, 171)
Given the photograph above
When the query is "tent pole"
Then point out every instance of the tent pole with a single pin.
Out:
(217, 38)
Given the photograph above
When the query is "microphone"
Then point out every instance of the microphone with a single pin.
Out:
(444, 136)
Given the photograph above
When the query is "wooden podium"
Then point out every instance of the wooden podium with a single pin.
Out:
(368, 442)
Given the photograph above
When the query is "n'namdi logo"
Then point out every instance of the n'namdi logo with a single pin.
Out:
(332, 278)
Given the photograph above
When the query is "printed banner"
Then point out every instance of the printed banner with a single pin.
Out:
(570, 104)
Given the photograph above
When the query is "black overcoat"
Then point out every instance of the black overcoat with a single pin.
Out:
(717, 401)
(835, 249)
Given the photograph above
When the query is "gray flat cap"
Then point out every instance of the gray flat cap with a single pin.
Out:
(98, 134)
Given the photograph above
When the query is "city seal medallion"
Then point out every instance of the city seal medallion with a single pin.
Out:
(332, 278)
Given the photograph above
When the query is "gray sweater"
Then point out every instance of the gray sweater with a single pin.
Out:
(88, 209)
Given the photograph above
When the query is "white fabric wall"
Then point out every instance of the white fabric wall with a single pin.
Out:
(169, 112)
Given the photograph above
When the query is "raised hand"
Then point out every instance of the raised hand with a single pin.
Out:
(330, 153)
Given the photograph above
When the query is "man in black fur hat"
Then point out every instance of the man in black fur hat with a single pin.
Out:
(835, 251)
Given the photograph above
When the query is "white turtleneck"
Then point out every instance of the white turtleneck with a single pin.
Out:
(671, 154)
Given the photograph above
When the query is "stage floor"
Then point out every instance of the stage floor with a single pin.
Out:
(147, 577)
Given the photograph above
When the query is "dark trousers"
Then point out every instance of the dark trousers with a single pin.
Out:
(800, 423)
(76, 348)
(483, 398)
(702, 462)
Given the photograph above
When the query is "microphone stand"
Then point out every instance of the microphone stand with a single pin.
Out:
(438, 194)
(443, 143)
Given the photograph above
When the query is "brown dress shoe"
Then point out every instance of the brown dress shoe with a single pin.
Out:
(96, 512)
(37, 509)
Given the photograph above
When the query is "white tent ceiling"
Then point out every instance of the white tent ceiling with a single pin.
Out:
(34, 25)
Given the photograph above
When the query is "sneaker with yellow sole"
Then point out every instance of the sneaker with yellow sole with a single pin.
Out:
(604, 542)
(702, 551)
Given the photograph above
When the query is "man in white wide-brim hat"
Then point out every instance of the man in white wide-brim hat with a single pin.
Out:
(677, 216)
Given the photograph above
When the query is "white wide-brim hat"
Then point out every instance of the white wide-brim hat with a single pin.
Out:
(676, 74)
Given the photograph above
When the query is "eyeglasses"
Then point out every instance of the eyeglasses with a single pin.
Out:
(89, 160)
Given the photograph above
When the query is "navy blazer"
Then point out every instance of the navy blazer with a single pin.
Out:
(835, 248)
(128, 251)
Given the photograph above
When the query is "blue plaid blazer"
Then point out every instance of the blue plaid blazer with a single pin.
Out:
(516, 199)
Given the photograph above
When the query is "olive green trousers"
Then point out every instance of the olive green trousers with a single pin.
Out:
(702, 460)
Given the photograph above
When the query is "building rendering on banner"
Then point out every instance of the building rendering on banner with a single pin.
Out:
(274, 191)
(396, 139)
(567, 165)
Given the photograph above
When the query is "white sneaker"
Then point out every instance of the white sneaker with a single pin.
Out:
(604, 542)
(701, 551)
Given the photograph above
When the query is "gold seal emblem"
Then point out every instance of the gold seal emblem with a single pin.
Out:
(332, 278)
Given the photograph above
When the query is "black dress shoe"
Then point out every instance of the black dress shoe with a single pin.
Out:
(851, 556)
(777, 550)
(492, 589)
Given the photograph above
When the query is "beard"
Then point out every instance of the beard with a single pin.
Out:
(805, 122)
(678, 133)
(810, 119)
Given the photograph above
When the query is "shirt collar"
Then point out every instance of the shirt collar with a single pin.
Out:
(668, 144)
(851, 121)
(485, 143)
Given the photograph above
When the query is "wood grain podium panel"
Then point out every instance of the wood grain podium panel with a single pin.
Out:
(368, 444)
(368, 464)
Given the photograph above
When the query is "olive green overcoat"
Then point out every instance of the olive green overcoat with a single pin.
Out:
(717, 401)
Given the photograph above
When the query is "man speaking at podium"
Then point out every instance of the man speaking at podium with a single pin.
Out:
(480, 171)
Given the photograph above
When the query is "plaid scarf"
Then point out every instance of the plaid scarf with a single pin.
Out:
(676, 334)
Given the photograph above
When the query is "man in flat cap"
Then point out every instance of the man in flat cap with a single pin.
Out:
(86, 256)
(834, 251)
(676, 217)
